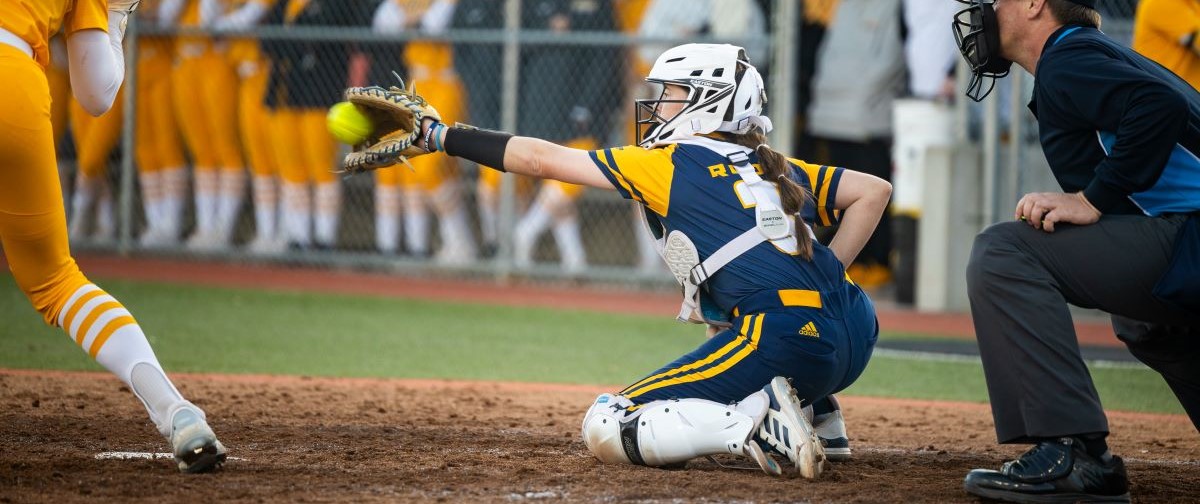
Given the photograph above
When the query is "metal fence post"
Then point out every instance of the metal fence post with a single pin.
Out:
(510, 79)
(783, 73)
(128, 129)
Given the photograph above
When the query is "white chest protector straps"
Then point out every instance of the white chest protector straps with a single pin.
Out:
(771, 224)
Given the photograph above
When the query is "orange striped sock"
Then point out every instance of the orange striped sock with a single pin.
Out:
(101, 325)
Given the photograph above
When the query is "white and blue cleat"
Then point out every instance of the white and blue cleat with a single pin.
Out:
(788, 431)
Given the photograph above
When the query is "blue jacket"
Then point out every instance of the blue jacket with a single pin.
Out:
(1125, 131)
(1116, 125)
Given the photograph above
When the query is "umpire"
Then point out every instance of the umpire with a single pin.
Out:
(1122, 135)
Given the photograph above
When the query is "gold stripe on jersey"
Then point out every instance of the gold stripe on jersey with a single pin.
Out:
(648, 172)
(823, 199)
(618, 177)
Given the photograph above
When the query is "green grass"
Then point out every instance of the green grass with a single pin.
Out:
(217, 330)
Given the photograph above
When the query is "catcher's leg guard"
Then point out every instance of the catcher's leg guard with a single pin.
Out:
(662, 433)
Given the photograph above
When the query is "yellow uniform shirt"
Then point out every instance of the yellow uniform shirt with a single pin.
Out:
(35, 21)
(1164, 31)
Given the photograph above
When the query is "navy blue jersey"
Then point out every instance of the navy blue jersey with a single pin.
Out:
(1117, 125)
(692, 189)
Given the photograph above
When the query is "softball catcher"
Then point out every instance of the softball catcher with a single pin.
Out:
(733, 217)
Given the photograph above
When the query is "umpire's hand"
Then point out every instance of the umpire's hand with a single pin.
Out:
(1044, 210)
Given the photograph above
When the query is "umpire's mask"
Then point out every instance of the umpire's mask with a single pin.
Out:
(978, 37)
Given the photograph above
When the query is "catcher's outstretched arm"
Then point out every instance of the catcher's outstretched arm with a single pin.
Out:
(542, 159)
(523, 155)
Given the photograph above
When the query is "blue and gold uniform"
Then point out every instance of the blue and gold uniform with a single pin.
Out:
(791, 317)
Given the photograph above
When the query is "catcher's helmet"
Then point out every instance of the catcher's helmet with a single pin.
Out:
(725, 93)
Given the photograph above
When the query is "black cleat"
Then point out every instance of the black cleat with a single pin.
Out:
(1052, 472)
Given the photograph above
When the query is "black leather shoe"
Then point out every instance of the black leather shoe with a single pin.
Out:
(1053, 471)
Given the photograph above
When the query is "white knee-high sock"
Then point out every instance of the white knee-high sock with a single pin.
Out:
(455, 229)
(232, 187)
(206, 189)
(297, 213)
(105, 330)
(174, 183)
(527, 231)
(106, 219)
(489, 214)
(387, 218)
(454, 224)
(266, 203)
(328, 204)
(570, 245)
(82, 201)
(416, 222)
(152, 199)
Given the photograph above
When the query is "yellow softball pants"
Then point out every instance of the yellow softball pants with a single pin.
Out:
(33, 223)
(158, 145)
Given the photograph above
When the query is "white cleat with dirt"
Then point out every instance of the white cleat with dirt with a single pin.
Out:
(788, 431)
(193, 442)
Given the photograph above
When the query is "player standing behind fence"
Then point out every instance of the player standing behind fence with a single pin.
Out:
(305, 79)
(254, 118)
(207, 106)
(162, 170)
(736, 217)
(1168, 32)
(435, 182)
(32, 219)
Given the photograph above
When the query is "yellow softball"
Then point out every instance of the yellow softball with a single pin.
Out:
(348, 124)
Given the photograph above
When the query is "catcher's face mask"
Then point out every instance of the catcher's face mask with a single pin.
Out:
(978, 35)
(649, 119)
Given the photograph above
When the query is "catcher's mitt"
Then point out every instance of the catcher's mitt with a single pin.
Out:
(397, 113)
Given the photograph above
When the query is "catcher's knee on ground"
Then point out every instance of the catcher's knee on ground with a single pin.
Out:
(668, 432)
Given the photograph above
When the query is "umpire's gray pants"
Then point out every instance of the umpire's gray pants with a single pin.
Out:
(1020, 280)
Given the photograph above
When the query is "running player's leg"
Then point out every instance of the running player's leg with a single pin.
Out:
(34, 235)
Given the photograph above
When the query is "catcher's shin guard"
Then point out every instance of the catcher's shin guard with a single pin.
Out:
(662, 433)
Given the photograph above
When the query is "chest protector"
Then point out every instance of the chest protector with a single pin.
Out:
(771, 224)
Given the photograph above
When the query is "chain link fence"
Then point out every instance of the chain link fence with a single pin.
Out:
(219, 149)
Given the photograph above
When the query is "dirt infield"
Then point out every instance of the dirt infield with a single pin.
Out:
(361, 440)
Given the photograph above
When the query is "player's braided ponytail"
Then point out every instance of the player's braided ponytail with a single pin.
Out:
(777, 169)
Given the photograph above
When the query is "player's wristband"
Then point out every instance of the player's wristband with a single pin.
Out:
(485, 147)
(432, 140)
